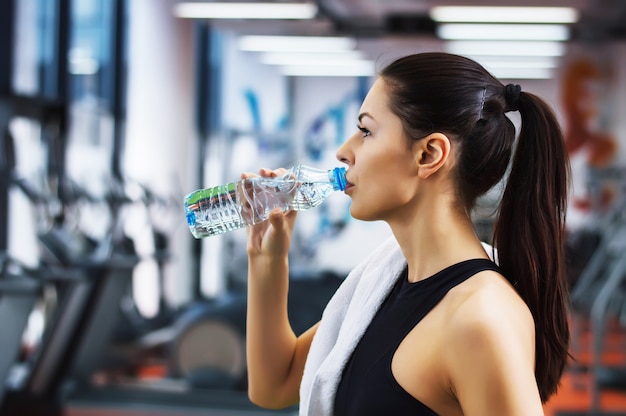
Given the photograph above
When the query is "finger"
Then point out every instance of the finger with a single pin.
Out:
(272, 172)
(267, 172)
(282, 222)
(245, 175)
(276, 218)
(280, 171)
(290, 217)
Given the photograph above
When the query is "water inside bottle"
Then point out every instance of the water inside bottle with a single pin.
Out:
(311, 194)
(213, 211)
(259, 196)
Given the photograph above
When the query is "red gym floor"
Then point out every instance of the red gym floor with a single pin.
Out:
(574, 396)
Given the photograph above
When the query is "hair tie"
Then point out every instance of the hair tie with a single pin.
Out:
(482, 103)
(511, 96)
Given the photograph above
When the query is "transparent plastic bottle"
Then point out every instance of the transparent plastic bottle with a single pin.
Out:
(229, 207)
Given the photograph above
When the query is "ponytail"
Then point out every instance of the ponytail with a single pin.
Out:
(529, 235)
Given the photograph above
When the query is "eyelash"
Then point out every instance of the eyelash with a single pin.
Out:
(365, 131)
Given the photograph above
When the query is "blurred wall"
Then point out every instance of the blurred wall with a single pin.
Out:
(160, 139)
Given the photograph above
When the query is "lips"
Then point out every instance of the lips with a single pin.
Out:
(349, 185)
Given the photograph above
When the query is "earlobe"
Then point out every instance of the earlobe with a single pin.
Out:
(432, 154)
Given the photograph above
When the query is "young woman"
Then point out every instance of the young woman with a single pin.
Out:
(428, 324)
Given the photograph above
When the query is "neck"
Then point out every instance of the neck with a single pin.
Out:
(435, 235)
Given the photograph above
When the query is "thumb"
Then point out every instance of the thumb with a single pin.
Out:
(282, 222)
(276, 218)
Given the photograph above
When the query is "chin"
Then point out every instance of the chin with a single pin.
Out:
(361, 216)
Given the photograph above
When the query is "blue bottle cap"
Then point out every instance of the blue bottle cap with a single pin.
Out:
(340, 178)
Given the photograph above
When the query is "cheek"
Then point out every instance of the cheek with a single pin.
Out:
(378, 200)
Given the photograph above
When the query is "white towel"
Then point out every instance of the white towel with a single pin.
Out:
(344, 321)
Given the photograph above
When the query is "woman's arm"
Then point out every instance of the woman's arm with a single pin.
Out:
(275, 356)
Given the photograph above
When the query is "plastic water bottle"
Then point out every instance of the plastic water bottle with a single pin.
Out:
(223, 208)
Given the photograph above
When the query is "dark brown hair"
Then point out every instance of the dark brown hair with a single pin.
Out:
(439, 92)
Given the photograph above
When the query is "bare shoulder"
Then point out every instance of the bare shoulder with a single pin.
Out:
(488, 323)
(491, 341)
(487, 303)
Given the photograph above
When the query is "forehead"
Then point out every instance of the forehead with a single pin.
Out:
(377, 99)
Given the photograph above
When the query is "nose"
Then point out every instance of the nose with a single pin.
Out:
(344, 153)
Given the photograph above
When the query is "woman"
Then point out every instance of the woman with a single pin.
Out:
(428, 324)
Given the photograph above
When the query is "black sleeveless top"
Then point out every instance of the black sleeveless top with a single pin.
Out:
(367, 386)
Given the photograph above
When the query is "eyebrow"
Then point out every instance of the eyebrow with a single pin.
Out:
(365, 114)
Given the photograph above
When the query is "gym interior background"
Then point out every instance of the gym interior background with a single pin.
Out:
(111, 111)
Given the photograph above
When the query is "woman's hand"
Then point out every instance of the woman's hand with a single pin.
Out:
(273, 237)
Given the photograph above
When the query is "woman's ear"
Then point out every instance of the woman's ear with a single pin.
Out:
(432, 153)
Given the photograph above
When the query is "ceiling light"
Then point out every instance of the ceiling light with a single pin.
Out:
(246, 10)
(362, 69)
(504, 48)
(522, 73)
(475, 31)
(485, 14)
(519, 67)
(296, 58)
(526, 62)
(325, 44)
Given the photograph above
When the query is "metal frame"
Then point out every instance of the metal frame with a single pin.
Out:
(207, 120)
